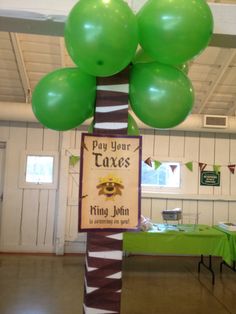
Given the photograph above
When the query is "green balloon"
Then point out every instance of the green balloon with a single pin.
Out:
(142, 57)
(184, 67)
(132, 126)
(64, 98)
(173, 32)
(160, 95)
(101, 36)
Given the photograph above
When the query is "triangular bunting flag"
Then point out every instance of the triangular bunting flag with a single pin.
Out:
(202, 166)
(73, 160)
(173, 167)
(189, 165)
(157, 164)
(216, 168)
(148, 161)
(231, 168)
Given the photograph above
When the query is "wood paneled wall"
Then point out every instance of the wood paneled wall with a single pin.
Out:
(209, 204)
(29, 217)
(74, 241)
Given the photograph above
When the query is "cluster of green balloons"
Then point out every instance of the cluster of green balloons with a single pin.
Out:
(102, 37)
(171, 33)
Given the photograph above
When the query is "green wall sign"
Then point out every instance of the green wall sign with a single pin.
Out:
(210, 178)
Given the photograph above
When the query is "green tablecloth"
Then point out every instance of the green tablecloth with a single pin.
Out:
(232, 240)
(179, 240)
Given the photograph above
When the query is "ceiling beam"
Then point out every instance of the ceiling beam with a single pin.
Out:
(229, 56)
(22, 112)
(48, 18)
(232, 110)
(21, 66)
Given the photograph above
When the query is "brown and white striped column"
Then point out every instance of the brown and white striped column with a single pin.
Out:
(103, 270)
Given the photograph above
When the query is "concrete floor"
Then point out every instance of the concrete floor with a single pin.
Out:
(54, 285)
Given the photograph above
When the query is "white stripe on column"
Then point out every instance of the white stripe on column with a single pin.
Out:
(115, 276)
(117, 236)
(116, 255)
(89, 289)
(110, 109)
(114, 88)
(90, 310)
(111, 125)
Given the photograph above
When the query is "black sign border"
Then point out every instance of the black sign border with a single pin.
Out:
(210, 172)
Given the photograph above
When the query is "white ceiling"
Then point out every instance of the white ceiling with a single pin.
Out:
(25, 58)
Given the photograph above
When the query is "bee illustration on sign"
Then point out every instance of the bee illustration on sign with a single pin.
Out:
(110, 186)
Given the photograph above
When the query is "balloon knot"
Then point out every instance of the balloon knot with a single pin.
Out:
(100, 62)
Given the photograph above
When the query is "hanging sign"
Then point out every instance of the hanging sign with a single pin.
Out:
(109, 196)
(210, 178)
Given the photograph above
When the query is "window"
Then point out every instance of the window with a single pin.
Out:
(167, 175)
(38, 170)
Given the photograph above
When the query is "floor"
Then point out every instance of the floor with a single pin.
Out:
(166, 285)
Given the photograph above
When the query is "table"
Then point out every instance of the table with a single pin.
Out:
(231, 235)
(180, 240)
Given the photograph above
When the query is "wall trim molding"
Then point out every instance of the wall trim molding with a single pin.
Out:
(27, 248)
(75, 246)
(190, 197)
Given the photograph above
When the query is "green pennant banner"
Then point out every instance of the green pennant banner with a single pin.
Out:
(216, 168)
(73, 160)
(157, 164)
(189, 165)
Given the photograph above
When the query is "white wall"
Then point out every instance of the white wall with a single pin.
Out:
(211, 204)
(34, 220)
(74, 242)
(28, 215)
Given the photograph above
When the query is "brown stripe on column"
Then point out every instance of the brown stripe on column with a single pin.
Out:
(107, 132)
(101, 243)
(111, 98)
(99, 263)
(120, 78)
(98, 279)
(103, 300)
(120, 116)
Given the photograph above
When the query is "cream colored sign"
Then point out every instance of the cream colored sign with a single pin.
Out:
(109, 182)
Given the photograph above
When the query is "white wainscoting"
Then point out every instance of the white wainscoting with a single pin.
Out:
(28, 215)
(34, 220)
